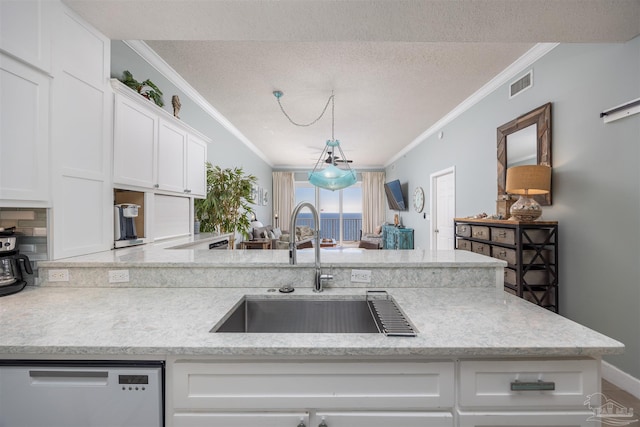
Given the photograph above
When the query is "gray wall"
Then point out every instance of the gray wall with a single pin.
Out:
(596, 183)
(226, 150)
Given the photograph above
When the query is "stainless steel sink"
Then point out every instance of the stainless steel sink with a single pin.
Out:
(315, 315)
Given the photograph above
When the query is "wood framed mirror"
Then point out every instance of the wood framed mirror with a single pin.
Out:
(525, 140)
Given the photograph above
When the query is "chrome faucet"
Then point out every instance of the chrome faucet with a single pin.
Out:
(319, 277)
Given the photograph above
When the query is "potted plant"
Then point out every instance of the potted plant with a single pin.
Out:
(227, 206)
(146, 88)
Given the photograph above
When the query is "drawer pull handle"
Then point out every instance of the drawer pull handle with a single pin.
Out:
(323, 423)
(502, 253)
(502, 234)
(533, 385)
(302, 424)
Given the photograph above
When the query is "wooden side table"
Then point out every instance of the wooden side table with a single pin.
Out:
(256, 244)
(328, 243)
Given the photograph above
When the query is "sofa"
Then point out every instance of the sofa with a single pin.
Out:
(280, 238)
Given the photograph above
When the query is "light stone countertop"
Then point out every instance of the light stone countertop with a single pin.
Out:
(66, 322)
(176, 252)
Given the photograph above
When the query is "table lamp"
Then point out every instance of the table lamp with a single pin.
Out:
(527, 181)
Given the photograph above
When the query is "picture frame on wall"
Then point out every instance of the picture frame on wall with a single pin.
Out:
(259, 197)
(255, 191)
(265, 197)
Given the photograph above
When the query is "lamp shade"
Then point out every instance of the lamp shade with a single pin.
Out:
(528, 179)
(333, 178)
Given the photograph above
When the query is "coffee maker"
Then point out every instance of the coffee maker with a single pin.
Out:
(125, 226)
(11, 264)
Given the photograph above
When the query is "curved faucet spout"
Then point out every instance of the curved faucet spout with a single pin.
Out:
(319, 277)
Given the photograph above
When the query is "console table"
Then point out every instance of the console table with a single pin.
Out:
(530, 249)
(396, 237)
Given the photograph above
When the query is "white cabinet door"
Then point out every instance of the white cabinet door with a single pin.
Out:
(25, 31)
(24, 133)
(382, 419)
(528, 419)
(172, 148)
(248, 419)
(196, 168)
(134, 143)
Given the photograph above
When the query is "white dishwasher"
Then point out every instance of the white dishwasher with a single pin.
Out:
(81, 393)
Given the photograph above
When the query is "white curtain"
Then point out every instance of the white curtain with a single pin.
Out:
(373, 200)
(284, 196)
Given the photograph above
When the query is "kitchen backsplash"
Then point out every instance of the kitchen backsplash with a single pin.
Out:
(31, 233)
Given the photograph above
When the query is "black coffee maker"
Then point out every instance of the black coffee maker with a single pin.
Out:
(11, 264)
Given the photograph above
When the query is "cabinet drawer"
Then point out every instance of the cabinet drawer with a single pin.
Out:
(489, 383)
(481, 248)
(480, 232)
(463, 230)
(532, 277)
(503, 235)
(538, 419)
(464, 244)
(528, 256)
(292, 385)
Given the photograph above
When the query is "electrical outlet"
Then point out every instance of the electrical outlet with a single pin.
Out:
(118, 276)
(362, 276)
(58, 275)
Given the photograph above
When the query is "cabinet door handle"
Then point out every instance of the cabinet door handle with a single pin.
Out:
(156, 186)
(323, 423)
(533, 385)
(302, 424)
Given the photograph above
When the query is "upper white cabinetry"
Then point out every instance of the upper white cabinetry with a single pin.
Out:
(154, 150)
(24, 134)
(135, 141)
(196, 172)
(25, 31)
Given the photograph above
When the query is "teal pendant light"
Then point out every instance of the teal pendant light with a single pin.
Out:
(326, 173)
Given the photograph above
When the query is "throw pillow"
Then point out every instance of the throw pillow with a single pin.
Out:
(277, 233)
(378, 229)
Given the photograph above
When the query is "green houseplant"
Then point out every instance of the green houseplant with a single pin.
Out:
(227, 206)
(147, 88)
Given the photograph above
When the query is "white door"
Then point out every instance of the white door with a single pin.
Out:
(443, 207)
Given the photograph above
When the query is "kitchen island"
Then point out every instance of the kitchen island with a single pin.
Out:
(473, 340)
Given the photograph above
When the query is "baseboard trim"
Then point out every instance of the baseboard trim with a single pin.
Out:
(621, 379)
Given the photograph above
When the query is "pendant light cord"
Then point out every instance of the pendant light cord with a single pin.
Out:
(324, 110)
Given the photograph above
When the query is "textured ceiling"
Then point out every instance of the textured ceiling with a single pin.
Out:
(396, 67)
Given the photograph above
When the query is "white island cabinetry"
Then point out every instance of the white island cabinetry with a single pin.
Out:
(337, 393)
(153, 150)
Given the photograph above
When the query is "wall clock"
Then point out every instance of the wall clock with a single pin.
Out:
(418, 199)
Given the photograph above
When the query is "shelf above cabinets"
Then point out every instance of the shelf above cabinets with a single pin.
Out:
(154, 150)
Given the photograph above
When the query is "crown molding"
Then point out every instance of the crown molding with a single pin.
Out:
(149, 55)
(513, 70)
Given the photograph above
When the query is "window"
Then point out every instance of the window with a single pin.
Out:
(340, 211)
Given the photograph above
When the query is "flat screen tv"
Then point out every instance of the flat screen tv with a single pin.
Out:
(396, 200)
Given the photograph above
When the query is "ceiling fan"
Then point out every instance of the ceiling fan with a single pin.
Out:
(335, 159)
